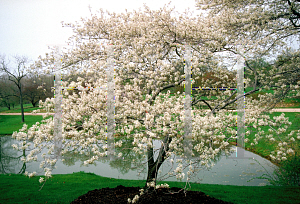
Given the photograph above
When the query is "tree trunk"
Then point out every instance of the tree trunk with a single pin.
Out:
(33, 103)
(21, 103)
(6, 104)
(153, 166)
(23, 169)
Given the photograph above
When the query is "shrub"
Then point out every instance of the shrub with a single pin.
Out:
(288, 174)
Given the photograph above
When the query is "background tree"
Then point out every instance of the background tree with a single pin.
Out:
(16, 75)
(285, 76)
(8, 93)
(33, 94)
(253, 66)
(37, 87)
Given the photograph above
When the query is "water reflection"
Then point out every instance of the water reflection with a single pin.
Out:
(225, 172)
(10, 160)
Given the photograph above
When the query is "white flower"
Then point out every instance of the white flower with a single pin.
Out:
(162, 186)
(151, 184)
(32, 174)
(41, 180)
(42, 164)
(52, 162)
(178, 169)
(202, 163)
(135, 199)
(290, 151)
(48, 173)
(15, 146)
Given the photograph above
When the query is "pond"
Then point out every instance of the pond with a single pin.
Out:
(227, 171)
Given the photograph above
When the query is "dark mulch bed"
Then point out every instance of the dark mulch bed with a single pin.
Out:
(120, 194)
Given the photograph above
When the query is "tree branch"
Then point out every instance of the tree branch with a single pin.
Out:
(214, 110)
(234, 100)
(195, 102)
(151, 100)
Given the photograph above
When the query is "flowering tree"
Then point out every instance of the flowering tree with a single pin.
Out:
(259, 25)
(264, 29)
(152, 51)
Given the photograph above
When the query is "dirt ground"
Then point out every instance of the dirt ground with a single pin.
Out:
(120, 195)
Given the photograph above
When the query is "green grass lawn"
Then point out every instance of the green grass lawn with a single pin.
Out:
(11, 123)
(286, 103)
(264, 146)
(66, 188)
(17, 109)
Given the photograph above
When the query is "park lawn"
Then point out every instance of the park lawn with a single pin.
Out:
(11, 123)
(264, 146)
(28, 108)
(64, 188)
(286, 103)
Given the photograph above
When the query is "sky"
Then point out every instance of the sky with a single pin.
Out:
(28, 27)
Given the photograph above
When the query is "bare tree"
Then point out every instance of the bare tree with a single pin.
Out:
(36, 88)
(16, 75)
(8, 96)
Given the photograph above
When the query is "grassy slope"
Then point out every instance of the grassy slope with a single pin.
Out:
(264, 146)
(66, 188)
(11, 123)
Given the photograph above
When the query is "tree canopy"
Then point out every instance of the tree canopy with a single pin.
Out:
(264, 25)
(150, 57)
